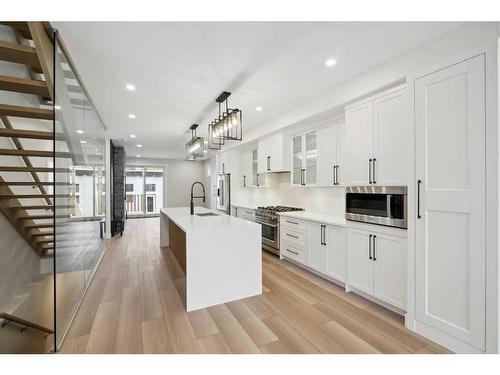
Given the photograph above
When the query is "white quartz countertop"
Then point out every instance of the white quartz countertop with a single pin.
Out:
(188, 223)
(318, 218)
(248, 206)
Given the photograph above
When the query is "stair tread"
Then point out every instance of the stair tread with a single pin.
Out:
(20, 54)
(32, 169)
(23, 85)
(26, 112)
(34, 207)
(32, 134)
(36, 153)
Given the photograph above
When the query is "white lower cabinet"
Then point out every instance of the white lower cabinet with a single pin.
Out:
(377, 265)
(360, 260)
(326, 250)
(316, 257)
(335, 252)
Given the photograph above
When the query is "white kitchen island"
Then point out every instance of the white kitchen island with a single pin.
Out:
(221, 255)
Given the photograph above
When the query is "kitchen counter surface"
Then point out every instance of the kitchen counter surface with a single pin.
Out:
(188, 223)
(220, 255)
(250, 207)
(319, 218)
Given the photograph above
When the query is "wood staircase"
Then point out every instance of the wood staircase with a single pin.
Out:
(34, 50)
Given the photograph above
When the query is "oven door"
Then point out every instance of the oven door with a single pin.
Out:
(270, 235)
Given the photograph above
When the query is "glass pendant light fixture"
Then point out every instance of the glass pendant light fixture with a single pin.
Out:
(195, 147)
(227, 126)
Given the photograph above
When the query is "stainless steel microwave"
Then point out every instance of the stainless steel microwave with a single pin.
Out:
(383, 205)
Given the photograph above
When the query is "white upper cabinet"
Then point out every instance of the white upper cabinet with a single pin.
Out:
(246, 168)
(331, 154)
(305, 158)
(359, 120)
(450, 183)
(273, 155)
(389, 139)
(376, 139)
(223, 161)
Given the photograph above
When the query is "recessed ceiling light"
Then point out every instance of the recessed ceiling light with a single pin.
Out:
(130, 87)
(330, 62)
(79, 131)
(138, 156)
(132, 135)
(83, 142)
(258, 108)
(131, 115)
(139, 145)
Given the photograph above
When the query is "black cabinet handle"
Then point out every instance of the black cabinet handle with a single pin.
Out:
(321, 235)
(374, 247)
(324, 235)
(244, 181)
(337, 174)
(374, 170)
(302, 176)
(419, 182)
(258, 184)
(268, 163)
(291, 235)
(370, 171)
(334, 177)
(370, 247)
(223, 168)
(292, 222)
(293, 252)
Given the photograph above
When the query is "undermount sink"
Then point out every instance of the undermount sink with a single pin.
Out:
(207, 214)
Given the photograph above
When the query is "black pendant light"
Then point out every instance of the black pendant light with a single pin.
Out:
(227, 126)
(195, 147)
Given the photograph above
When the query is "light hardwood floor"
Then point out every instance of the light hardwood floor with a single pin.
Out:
(133, 306)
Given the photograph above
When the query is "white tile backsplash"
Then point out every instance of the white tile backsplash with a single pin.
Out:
(324, 200)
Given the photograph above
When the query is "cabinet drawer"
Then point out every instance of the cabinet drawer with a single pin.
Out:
(293, 237)
(293, 252)
(293, 224)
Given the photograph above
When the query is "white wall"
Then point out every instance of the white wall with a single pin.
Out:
(178, 178)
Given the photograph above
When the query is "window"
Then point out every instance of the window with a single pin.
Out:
(78, 199)
(150, 187)
(146, 197)
(129, 188)
(77, 188)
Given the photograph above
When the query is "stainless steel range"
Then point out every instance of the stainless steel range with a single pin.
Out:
(269, 218)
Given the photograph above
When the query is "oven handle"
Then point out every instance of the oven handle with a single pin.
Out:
(388, 206)
(267, 224)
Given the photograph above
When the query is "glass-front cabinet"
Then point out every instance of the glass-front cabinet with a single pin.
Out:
(305, 158)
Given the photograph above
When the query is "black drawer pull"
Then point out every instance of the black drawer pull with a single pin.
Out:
(292, 222)
(291, 235)
(293, 252)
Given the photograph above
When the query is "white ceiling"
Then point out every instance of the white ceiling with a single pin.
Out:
(180, 68)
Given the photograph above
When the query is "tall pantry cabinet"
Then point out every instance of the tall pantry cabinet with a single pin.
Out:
(450, 183)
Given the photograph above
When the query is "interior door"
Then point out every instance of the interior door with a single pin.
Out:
(359, 122)
(450, 233)
(316, 255)
(360, 264)
(327, 149)
(335, 252)
(389, 275)
(389, 138)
